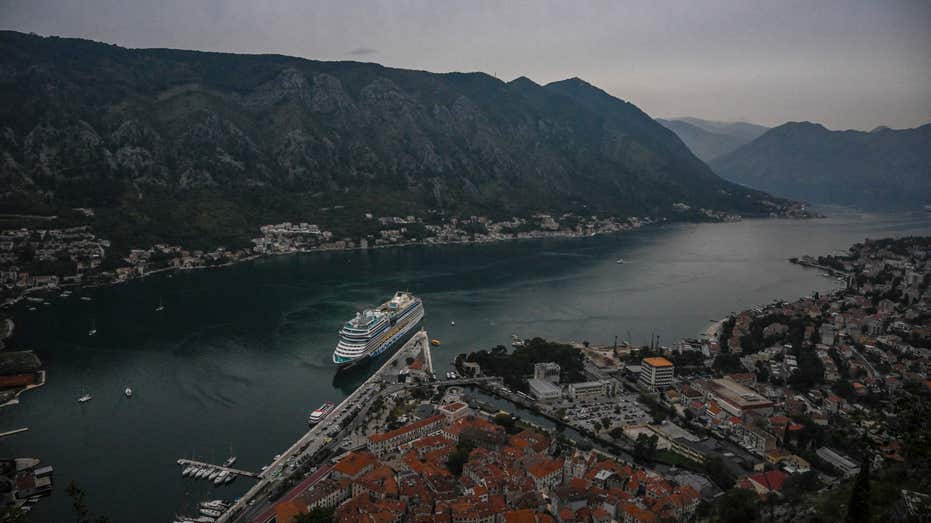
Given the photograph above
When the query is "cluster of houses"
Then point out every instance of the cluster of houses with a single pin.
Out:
(36, 258)
(407, 475)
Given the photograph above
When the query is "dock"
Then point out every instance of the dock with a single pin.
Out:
(11, 432)
(184, 462)
(316, 433)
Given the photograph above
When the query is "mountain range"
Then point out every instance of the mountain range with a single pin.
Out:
(709, 139)
(172, 145)
(882, 169)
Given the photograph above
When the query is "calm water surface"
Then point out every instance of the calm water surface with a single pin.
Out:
(241, 354)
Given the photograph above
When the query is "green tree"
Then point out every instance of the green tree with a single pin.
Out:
(858, 509)
(645, 446)
(79, 504)
(13, 515)
(508, 422)
(459, 457)
(738, 506)
(718, 472)
(317, 515)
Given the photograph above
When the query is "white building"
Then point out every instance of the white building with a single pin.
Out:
(543, 390)
(548, 371)
(656, 373)
(592, 389)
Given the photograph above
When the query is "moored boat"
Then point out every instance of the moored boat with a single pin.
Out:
(373, 332)
(321, 412)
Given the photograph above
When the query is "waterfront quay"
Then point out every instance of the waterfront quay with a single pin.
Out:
(326, 434)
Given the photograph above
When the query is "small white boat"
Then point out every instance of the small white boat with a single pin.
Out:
(188, 470)
(128, 392)
(85, 397)
(86, 298)
(221, 477)
(93, 329)
(213, 474)
(217, 504)
(229, 478)
(452, 323)
(161, 306)
(211, 512)
(229, 461)
(201, 473)
(620, 261)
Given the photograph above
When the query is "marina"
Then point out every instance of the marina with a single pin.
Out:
(205, 469)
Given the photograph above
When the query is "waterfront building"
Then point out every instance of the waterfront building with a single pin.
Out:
(733, 398)
(543, 390)
(548, 371)
(388, 441)
(455, 411)
(592, 389)
(842, 463)
(656, 373)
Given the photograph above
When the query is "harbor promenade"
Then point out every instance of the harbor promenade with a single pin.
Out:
(252, 504)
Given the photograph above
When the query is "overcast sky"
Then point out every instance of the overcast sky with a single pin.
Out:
(845, 64)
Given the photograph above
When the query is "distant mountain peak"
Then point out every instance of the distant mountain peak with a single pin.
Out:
(522, 82)
(881, 169)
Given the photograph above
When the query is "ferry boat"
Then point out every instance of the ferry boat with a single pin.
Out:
(373, 332)
(321, 412)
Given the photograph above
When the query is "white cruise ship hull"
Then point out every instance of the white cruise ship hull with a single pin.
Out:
(393, 337)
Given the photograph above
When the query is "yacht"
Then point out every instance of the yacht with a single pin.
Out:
(229, 478)
(230, 460)
(213, 474)
(221, 477)
(321, 412)
(85, 397)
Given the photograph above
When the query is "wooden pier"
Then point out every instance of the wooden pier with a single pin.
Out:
(184, 462)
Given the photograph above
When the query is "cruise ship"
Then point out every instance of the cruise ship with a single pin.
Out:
(375, 331)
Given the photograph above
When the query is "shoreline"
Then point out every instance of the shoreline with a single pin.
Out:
(534, 235)
(258, 256)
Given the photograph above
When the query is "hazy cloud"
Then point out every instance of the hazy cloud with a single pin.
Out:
(362, 51)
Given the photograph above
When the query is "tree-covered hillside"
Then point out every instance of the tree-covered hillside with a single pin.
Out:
(182, 145)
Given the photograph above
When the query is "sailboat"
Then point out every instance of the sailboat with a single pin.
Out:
(93, 329)
(230, 460)
(85, 397)
(161, 306)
